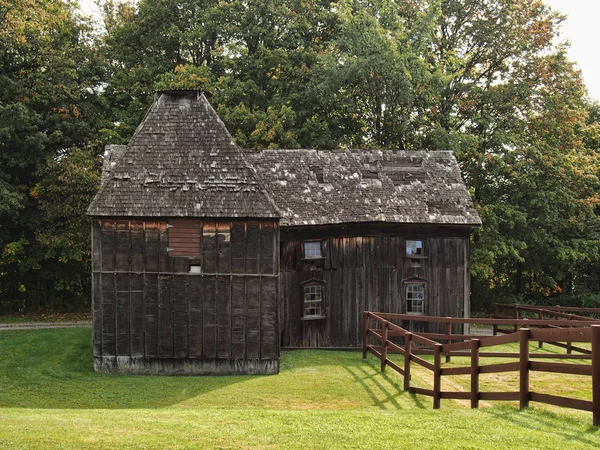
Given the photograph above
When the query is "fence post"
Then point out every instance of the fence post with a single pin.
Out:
(569, 343)
(516, 316)
(407, 353)
(384, 334)
(596, 374)
(449, 340)
(524, 368)
(540, 317)
(496, 312)
(475, 343)
(437, 376)
(365, 333)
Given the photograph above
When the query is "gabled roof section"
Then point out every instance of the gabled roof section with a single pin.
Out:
(182, 162)
(313, 187)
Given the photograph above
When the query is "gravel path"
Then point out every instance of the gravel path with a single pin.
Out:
(40, 325)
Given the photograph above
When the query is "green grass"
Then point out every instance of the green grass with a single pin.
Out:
(50, 398)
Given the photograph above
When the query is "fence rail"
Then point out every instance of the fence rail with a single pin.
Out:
(378, 327)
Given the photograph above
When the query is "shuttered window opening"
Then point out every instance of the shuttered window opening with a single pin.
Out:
(185, 237)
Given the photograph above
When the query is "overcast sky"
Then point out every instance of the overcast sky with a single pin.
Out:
(582, 19)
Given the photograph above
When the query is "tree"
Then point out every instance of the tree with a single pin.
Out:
(48, 76)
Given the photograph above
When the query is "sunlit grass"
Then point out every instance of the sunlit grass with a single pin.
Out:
(50, 398)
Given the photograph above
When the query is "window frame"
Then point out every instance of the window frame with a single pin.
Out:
(307, 287)
(415, 255)
(412, 301)
(312, 257)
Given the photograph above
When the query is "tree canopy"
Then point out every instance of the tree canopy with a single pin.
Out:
(488, 80)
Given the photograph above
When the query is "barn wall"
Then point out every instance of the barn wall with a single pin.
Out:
(366, 269)
(150, 315)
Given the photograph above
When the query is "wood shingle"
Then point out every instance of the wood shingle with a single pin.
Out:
(313, 187)
(182, 162)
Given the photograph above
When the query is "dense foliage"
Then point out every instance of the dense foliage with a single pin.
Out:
(487, 80)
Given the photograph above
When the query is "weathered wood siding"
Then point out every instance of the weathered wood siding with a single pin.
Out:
(368, 272)
(146, 303)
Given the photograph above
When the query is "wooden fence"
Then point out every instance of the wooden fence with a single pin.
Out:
(380, 328)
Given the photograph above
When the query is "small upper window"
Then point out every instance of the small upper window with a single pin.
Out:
(414, 248)
(415, 299)
(312, 250)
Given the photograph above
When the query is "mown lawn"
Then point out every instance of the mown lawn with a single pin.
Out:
(50, 398)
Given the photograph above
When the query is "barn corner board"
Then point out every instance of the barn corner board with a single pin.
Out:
(207, 258)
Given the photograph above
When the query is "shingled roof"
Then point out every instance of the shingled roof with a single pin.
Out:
(181, 161)
(313, 187)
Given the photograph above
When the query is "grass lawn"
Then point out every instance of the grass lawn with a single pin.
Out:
(50, 398)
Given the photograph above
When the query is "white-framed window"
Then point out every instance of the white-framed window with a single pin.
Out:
(313, 301)
(414, 247)
(415, 299)
(312, 250)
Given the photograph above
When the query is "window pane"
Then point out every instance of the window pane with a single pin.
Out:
(415, 298)
(414, 247)
(312, 250)
(313, 300)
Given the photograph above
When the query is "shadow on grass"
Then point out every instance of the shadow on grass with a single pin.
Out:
(384, 390)
(52, 369)
(544, 421)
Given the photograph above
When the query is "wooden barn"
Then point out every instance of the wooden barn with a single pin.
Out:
(207, 259)
(362, 231)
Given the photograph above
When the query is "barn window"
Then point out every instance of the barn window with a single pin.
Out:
(312, 250)
(415, 298)
(313, 301)
(414, 248)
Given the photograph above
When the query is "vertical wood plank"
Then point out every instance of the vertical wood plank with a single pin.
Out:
(253, 318)
(475, 344)
(151, 324)
(437, 375)
(180, 316)
(524, 368)
(596, 374)
(195, 299)
(122, 317)
(238, 247)
(108, 296)
(223, 247)
(165, 312)
(137, 246)
(224, 317)
(238, 318)
(136, 314)
(96, 245)
(209, 317)
(253, 245)
(384, 350)
(151, 245)
(267, 248)
(165, 264)
(269, 341)
(407, 355)
(108, 245)
(122, 246)
(96, 314)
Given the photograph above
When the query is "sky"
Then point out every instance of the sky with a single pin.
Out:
(582, 20)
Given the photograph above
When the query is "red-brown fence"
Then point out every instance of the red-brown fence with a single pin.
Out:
(580, 331)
